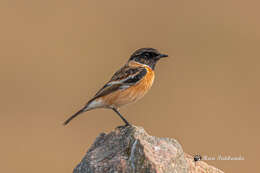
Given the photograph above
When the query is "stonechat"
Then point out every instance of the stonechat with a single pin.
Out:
(127, 85)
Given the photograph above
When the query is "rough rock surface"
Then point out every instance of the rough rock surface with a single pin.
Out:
(132, 150)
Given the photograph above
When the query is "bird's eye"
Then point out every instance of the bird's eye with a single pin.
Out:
(146, 55)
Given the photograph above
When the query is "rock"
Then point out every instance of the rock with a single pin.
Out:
(132, 150)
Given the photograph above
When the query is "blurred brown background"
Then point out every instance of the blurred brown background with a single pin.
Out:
(56, 54)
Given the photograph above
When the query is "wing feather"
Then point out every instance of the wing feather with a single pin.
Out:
(122, 79)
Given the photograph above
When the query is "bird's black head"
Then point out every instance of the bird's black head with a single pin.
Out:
(147, 56)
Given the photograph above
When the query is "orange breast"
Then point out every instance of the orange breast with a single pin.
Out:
(133, 93)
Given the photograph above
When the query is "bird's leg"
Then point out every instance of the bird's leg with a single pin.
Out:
(121, 116)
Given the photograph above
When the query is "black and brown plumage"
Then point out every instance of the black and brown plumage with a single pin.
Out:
(128, 84)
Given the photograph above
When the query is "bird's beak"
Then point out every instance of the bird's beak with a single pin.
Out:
(162, 56)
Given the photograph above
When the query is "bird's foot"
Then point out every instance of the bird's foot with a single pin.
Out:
(124, 126)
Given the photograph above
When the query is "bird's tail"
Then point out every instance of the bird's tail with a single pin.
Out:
(89, 106)
(76, 114)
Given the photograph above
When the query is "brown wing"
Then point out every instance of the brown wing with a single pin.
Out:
(122, 79)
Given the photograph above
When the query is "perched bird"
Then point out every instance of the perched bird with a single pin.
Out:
(128, 84)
